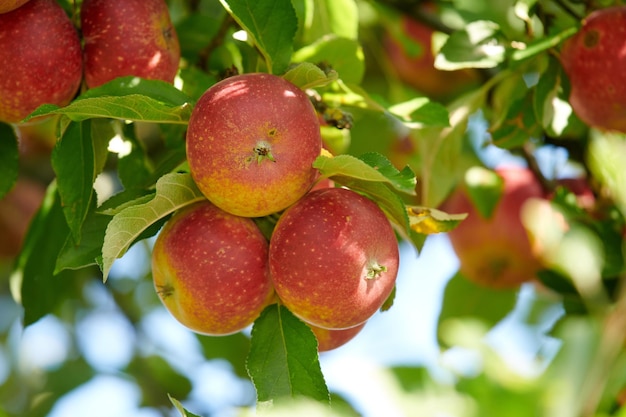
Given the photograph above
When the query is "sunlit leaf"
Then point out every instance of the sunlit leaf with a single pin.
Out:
(421, 112)
(430, 220)
(343, 55)
(369, 167)
(272, 25)
(283, 361)
(173, 191)
(325, 17)
(475, 46)
(9, 157)
(307, 75)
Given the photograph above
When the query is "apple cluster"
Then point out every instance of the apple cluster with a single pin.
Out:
(43, 59)
(332, 255)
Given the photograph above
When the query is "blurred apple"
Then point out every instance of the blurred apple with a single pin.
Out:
(496, 251)
(130, 37)
(413, 60)
(594, 61)
(17, 209)
(40, 59)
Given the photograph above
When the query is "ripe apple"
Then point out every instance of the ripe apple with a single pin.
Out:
(40, 59)
(130, 37)
(8, 5)
(328, 339)
(496, 251)
(17, 209)
(251, 143)
(594, 61)
(333, 258)
(417, 68)
(210, 269)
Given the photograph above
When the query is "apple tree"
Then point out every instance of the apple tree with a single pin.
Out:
(265, 160)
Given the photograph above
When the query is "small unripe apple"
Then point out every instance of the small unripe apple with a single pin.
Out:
(8, 5)
(210, 269)
(40, 59)
(130, 37)
(496, 251)
(333, 258)
(251, 143)
(594, 61)
(328, 339)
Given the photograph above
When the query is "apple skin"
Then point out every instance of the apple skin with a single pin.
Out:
(328, 339)
(321, 252)
(40, 59)
(210, 269)
(9, 5)
(235, 126)
(419, 70)
(130, 37)
(496, 252)
(594, 61)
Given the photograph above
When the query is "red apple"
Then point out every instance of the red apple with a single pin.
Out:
(40, 59)
(333, 258)
(594, 61)
(8, 5)
(251, 143)
(130, 37)
(496, 251)
(328, 339)
(417, 68)
(210, 269)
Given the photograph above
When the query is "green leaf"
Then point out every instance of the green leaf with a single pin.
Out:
(475, 46)
(307, 75)
(33, 282)
(157, 378)
(79, 255)
(283, 361)
(463, 299)
(369, 167)
(132, 107)
(326, 17)
(552, 109)
(271, 24)
(160, 91)
(484, 188)
(9, 157)
(127, 98)
(421, 112)
(183, 412)
(234, 348)
(173, 191)
(341, 54)
(74, 163)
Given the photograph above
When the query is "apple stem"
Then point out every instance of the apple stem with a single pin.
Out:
(375, 270)
(262, 150)
(165, 290)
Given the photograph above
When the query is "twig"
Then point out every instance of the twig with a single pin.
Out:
(218, 39)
